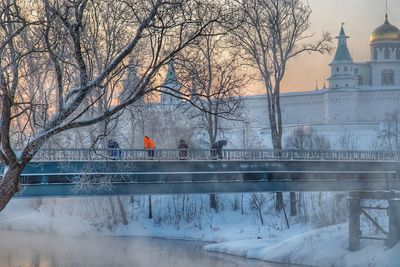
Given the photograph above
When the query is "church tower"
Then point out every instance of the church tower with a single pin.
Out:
(342, 66)
(385, 55)
(171, 87)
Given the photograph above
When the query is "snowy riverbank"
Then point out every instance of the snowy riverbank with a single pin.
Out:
(234, 233)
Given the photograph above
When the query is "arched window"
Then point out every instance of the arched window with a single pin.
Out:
(345, 68)
(398, 53)
(387, 53)
(375, 54)
(387, 77)
(337, 69)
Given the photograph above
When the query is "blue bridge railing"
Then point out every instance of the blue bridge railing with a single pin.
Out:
(207, 154)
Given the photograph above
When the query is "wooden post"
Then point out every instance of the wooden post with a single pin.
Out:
(394, 221)
(354, 222)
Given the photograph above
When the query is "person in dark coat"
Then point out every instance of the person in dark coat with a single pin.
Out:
(183, 147)
(216, 149)
(113, 149)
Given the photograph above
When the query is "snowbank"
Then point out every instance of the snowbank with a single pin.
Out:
(235, 233)
(325, 247)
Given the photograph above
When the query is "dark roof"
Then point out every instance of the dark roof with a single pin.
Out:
(342, 52)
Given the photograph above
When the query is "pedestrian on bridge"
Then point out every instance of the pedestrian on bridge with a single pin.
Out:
(183, 149)
(216, 149)
(113, 149)
(149, 145)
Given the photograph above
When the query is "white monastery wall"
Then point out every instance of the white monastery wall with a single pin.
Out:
(331, 112)
(363, 70)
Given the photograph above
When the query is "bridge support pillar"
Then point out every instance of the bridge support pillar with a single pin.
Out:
(394, 221)
(354, 221)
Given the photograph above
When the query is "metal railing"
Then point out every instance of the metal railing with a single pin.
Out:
(207, 154)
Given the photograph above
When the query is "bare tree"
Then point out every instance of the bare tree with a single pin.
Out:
(348, 141)
(388, 135)
(307, 138)
(66, 37)
(258, 202)
(304, 138)
(272, 33)
(214, 79)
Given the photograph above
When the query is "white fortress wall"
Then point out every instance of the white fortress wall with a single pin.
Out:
(331, 112)
(363, 72)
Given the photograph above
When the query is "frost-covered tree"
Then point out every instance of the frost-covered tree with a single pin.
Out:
(348, 141)
(388, 135)
(273, 32)
(307, 138)
(62, 65)
(215, 83)
(304, 138)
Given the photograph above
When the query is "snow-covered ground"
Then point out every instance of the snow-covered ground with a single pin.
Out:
(321, 247)
(233, 232)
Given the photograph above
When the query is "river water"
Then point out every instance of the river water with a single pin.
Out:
(28, 249)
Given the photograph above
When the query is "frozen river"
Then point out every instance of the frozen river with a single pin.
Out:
(32, 249)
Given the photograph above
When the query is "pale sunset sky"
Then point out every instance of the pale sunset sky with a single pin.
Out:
(361, 17)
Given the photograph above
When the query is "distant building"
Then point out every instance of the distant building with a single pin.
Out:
(357, 98)
(171, 87)
(359, 93)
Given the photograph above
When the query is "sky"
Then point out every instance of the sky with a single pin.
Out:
(361, 17)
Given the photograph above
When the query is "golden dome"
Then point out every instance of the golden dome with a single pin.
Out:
(385, 32)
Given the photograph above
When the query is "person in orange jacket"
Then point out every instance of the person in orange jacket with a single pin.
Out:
(149, 145)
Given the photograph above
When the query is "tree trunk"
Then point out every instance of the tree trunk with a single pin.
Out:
(9, 185)
(260, 214)
(213, 202)
(277, 144)
(122, 210)
(241, 204)
(286, 218)
(293, 204)
(279, 201)
(150, 209)
(114, 216)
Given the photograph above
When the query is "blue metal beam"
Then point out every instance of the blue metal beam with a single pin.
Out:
(66, 190)
(164, 177)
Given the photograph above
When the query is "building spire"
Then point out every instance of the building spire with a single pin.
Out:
(386, 10)
(171, 74)
(386, 13)
(171, 86)
(342, 51)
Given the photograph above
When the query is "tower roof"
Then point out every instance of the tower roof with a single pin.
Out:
(385, 32)
(171, 74)
(342, 52)
(171, 86)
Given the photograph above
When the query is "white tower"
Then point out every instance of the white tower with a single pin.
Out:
(342, 66)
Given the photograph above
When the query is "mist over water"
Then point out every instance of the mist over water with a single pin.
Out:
(33, 249)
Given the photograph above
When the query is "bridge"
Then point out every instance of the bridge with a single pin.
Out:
(72, 172)
(82, 172)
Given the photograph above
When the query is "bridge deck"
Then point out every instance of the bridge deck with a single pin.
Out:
(71, 178)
